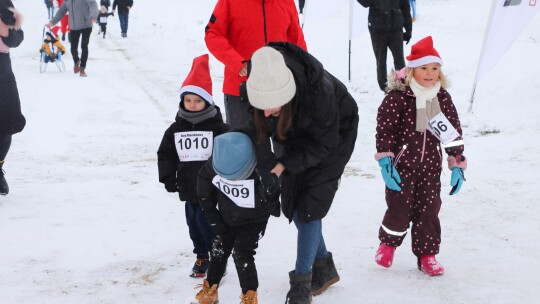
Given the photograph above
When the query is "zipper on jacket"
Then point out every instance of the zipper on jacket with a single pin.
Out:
(399, 155)
(424, 146)
(264, 22)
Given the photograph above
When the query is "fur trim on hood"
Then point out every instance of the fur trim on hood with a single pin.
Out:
(396, 80)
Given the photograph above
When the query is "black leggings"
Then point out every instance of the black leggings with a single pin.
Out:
(5, 143)
(75, 37)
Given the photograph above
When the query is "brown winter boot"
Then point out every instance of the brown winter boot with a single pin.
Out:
(76, 67)
(207, 295)
(250, 297)
(82, 72)
(324, 275)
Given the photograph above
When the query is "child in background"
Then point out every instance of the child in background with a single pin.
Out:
(185, 147)
(52, 46)
(102, 20)
(414, 119)
(245, 200)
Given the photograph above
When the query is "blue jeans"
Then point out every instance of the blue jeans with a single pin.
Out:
(199, 230)
(123, 17)
(310, 244)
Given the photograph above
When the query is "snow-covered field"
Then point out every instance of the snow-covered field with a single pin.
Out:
(87, 221)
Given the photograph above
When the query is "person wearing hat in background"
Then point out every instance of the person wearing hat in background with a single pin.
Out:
(52, 39)
(82, 15)
(386, 22)
(12, 120)
(414, 119)
(236, 29)
(185, 147)
(245, 200)
(312, 115)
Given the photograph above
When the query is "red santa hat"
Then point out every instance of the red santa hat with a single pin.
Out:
(54, 31)
(198, 80)
(423, 53)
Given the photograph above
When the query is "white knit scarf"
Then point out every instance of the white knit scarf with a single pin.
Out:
(427, 104)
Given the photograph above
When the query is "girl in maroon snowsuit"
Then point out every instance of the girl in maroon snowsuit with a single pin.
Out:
(413, 121)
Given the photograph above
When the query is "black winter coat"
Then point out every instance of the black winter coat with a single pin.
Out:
(11, 118)
(122, 5)
(227, 211)
(169, 165)
(388, 15)
(321, 140)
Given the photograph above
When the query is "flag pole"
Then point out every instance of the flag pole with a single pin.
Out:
(350, 34)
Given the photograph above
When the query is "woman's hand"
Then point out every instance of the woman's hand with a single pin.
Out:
(278, 169)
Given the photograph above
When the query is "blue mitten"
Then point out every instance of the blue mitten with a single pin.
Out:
(458, 177)
(389, 173)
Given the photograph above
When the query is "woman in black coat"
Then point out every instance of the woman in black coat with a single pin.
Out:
(312, 116)
(11, 119)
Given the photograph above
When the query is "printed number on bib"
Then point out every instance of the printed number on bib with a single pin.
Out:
(442, 129)
(103, 20)
(240, 192)
(193, 146)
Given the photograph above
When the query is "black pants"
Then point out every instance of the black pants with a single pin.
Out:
(381, 43)
(5, 143)
(103, 28)
(75, 37)
(238, 113)
(301, 5)
(244, 239)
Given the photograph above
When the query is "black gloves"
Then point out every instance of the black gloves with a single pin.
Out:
(8, 17)
(14, 38)
(407, 37)
(269, 191)
(170, 185)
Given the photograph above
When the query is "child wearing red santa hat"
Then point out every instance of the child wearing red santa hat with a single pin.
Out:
(185, 147)
(416, 120)
(52, 46)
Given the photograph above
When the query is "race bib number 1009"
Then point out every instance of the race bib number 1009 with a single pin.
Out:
(442, 129)
(194, 146)
(240, 192)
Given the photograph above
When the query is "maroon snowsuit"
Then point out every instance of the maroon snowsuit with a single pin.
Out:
(419, 167)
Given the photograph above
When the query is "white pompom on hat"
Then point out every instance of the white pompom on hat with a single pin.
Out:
(423, 53)
(270, 83)
(198, 80)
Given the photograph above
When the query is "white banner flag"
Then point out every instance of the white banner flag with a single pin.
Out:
(508, 19)
(319, 10)
(358, 22)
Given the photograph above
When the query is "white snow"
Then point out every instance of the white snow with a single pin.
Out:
(87, 221)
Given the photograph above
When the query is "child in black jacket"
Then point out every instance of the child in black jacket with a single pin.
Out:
(185, 147)
(102, 20)
(245, 199)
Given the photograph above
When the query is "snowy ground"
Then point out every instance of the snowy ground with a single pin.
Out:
(87, 221)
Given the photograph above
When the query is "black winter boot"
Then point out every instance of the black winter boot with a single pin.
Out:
(300, 292)
(4, 188)
(324, 275)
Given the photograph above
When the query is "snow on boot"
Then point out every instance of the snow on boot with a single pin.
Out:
(324, 274)
(199, 268)
(385, 255)
(300, 292)
(429, 265)
(4, 188)
(250, 297)
(208, 294)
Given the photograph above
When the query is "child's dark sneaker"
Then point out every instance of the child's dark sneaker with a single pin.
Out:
(199, 268)
(429, 265)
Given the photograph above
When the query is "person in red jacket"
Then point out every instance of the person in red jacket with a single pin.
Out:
(64, 28)
(415, 119)
(237, 28)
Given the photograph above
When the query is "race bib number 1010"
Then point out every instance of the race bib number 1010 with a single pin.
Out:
(194, 146)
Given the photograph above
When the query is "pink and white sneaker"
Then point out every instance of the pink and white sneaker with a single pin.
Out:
(385, 255)
(429, 265)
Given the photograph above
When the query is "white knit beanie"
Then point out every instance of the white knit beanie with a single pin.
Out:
(271, 83)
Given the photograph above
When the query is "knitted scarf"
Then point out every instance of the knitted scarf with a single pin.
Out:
(427, 103)
(197, 117)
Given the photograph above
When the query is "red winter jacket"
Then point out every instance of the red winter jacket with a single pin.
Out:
(237, 28)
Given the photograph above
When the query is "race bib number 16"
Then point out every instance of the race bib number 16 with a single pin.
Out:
(240, 192)
(442, 129)
(193, 146)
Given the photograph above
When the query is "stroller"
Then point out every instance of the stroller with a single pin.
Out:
(51, 50)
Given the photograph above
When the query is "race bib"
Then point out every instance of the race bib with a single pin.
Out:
(240, 192)
(193, 146)
(442, 129)
(103, 20)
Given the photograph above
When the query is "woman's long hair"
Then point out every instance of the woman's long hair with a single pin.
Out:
(264, 126)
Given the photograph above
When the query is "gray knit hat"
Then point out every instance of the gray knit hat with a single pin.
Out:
(271, 83)
(233, 156)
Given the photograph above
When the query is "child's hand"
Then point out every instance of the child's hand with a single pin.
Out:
(171, 185)
(458, 177)
(390, 174)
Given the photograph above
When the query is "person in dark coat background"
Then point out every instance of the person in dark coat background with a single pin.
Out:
(386, 21)
(312, 115)
(124, 6)
(11, 118)
(183, 152)
(106, 3)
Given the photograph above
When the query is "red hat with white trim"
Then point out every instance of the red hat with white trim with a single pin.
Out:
(423, 53)
(198, 80)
